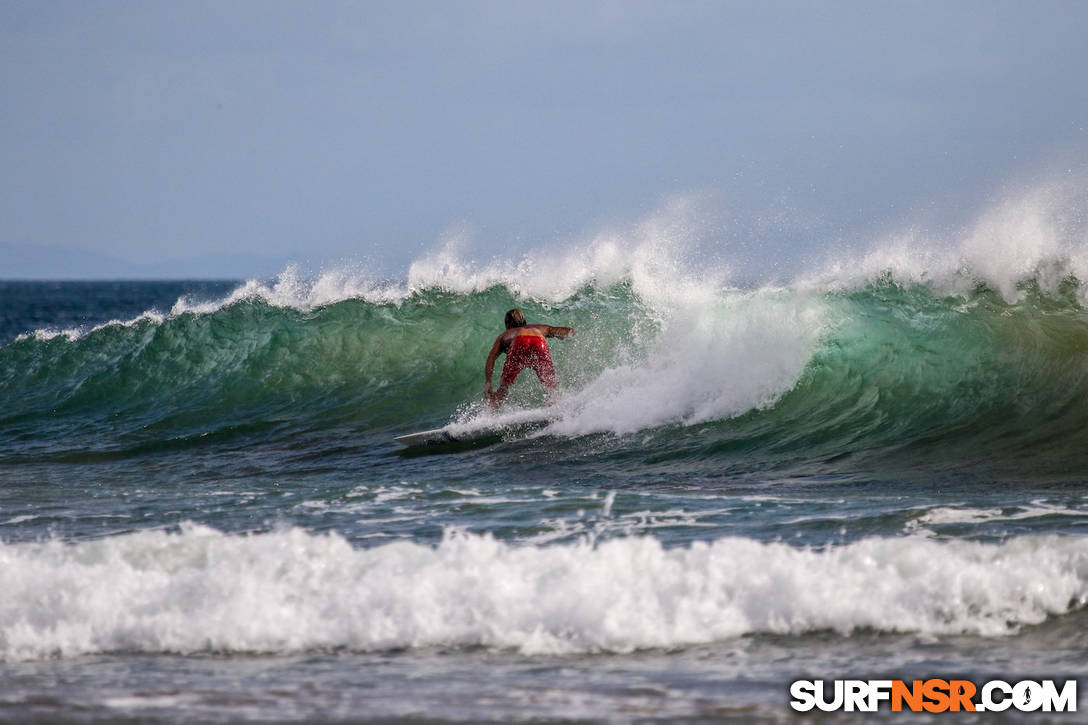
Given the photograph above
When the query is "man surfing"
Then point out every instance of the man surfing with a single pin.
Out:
(524, 347)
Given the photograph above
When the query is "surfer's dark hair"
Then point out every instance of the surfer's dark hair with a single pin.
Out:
(514, 318)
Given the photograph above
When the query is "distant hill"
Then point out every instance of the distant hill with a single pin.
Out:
(49, 261)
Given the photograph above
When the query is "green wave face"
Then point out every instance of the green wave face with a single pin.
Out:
(883, 376)
(374, 366)
(909, 378)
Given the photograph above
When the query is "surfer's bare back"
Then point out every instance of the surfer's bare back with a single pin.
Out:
(524, 347)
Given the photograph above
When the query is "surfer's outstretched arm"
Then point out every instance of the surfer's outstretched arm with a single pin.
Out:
(554, 331)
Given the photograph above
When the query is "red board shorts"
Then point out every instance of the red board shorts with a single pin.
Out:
(528, 351)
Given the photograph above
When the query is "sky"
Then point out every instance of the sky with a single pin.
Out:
(225, 139)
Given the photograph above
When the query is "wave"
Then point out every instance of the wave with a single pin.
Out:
(873, 371)
(199, 590)
(970, 355)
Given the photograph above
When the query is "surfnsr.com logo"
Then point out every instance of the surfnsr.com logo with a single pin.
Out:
(933, 695)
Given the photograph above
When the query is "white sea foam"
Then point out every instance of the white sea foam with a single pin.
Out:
(1036, 233)
(291, 591)
(1039, 233)
(19, 519)
(712, 359)
(293, 288)
(75, 333)
(943, 515)
(652, 255)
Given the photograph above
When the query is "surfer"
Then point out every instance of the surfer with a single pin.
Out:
(524, 347)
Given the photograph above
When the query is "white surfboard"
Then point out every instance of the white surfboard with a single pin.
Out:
(467, 433)
(436, 437)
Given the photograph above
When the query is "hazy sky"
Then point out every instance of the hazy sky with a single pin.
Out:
(220, 138)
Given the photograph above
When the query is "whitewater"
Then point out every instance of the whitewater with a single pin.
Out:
(874, 466)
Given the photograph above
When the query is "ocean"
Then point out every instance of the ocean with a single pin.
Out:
(875, 471)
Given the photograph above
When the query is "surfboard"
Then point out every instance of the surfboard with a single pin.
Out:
(436, 437)
(454, 435)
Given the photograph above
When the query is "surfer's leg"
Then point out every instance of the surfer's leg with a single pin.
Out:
(544, 369)
(510, 370)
